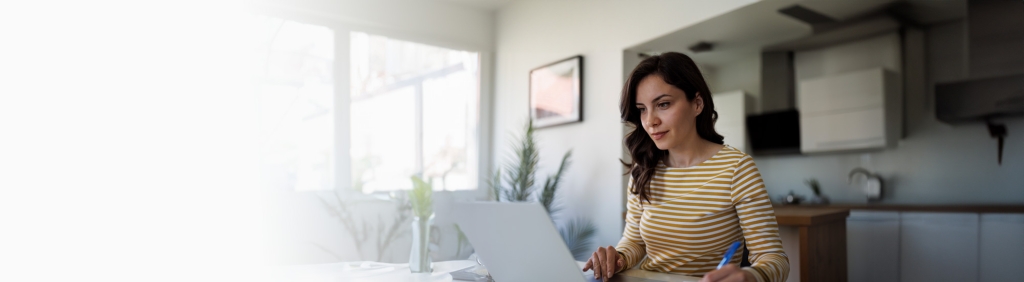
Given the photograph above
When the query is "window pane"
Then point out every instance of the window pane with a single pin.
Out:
(296, 105)
(449, 126)
(384, 141)
(433, 96)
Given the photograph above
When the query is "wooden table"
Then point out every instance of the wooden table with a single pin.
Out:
(822, 241)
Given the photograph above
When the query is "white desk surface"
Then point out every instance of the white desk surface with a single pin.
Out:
(365, 271)
(386, 272)
(660, 276)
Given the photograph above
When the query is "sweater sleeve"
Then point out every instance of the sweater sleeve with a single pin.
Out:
(757, 219)
(632, 246)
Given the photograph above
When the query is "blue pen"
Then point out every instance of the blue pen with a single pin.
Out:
(729, 253)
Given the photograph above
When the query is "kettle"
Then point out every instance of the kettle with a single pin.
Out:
(872, 184)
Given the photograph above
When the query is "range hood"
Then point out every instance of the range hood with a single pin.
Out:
(980, 99)
(995, 58)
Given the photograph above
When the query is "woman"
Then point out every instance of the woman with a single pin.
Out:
(690, 196)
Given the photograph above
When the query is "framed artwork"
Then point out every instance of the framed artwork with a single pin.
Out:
(556, 93)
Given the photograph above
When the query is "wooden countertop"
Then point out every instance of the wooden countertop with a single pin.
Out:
(919, 207)
(806, 215)
(809, 215)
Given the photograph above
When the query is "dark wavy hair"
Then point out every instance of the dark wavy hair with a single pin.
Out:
(680, 71)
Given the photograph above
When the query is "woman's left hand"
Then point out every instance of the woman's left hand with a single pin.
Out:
(729, 273)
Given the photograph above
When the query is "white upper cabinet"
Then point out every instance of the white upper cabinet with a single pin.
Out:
(732, 118)
(850, 111)
(849, 95)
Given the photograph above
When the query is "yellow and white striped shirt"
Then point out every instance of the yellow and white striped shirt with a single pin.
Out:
(696, 212)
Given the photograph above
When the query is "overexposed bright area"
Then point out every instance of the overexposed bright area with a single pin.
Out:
(130, 142)
(295, 96)
(413, 112)
(144, 140)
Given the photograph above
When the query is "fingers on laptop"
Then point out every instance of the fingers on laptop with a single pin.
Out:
(594, 264)
(611, 258)
(604, 262)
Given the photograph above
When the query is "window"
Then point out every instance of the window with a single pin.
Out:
(414, 111)
(295, 98)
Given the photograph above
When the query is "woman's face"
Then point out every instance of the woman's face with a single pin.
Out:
(665, 113)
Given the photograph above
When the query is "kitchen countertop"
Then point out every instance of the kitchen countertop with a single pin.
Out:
(805, 215)
(808, 215)
(972, 208)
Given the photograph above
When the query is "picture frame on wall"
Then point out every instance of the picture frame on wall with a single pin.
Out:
(556, 93)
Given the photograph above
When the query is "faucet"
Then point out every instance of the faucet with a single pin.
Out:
(872, 187)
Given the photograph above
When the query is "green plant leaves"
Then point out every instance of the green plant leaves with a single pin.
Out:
(518, 186)
(547, 195)
(421, 197)
(577, 233)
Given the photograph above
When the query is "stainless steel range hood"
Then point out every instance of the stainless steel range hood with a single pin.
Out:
(995, 87)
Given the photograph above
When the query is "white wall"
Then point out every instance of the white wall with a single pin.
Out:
(534, 33)
(742, 74)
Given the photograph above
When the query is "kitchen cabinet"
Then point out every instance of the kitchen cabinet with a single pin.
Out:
(1001, 246)
(925, 242)
(939, 246)
(850, 111)
(732, 110)
(815, 240)
(873, 246)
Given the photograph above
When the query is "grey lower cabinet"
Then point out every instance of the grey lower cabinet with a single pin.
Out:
(939, 246)
(1001, 247)
(934, 246)
(873, 246)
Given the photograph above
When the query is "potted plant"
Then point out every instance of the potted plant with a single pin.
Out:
(818, 198)
(421, 199)
(518, 185)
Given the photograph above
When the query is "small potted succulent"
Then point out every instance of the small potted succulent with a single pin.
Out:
(818, 198)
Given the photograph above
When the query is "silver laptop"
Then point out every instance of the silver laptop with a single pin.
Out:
(518, 242)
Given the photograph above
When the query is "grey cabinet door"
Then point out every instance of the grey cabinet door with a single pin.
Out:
(873, 246)
(1001, 247)
(938, 247)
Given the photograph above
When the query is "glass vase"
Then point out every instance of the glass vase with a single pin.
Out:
(419, 256)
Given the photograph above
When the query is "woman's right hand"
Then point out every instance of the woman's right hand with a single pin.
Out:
(605, 261)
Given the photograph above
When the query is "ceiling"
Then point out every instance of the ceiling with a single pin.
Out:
(485, 5)
(743, 32)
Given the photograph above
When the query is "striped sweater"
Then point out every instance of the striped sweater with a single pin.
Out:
(696, 212)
